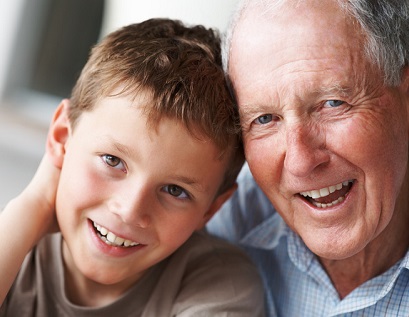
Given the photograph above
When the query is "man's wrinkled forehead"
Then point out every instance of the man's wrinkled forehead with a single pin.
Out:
(319, 39)
(301, 23)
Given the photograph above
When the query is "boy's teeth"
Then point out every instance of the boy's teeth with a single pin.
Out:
(111, 239)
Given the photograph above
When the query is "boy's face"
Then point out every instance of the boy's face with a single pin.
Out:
(133, 185)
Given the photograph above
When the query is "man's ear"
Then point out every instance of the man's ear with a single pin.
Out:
(58, 134)
(405, 80)
(404, 86)
(216, 205)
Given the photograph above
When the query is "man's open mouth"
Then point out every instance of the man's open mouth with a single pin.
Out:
(111, 239)
(328, 196)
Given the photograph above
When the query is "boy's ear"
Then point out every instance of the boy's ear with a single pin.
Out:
(58, 134)
(216, 205)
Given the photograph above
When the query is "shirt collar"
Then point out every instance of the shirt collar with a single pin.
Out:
(267, 234)
(370, 292)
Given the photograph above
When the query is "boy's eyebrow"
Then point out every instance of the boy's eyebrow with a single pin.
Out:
(121, 148)
(191, 182)
(195, 183)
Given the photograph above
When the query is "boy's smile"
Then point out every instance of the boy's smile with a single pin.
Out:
(111, 239)
(131, 193)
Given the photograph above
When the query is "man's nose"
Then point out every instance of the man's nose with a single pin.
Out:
(305, 149)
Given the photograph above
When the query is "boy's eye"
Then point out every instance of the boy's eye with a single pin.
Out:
(176, 191)
(113, 161)
(334, 103)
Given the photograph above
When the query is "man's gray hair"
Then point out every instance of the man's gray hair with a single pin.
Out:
(384, 22)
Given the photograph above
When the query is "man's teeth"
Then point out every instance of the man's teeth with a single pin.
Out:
(110, 238)
(323, 192)
(333, 203)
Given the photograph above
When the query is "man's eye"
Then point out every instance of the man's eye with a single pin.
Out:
(176, 191)
(264, 119)
(334, 103)
(113, 161)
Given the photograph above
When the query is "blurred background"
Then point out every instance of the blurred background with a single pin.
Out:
(44, 45)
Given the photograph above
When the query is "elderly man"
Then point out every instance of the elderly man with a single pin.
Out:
(322, 87)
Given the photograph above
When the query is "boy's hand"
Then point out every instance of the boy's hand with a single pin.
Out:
(40, 195)
(32, 212)
(27, 218)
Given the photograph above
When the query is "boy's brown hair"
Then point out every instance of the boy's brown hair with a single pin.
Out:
(180, 67)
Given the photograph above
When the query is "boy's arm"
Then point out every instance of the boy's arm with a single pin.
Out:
(25, 220)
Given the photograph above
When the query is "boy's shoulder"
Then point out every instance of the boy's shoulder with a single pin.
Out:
(205, 276)
(41, 268)
(213, 260)
(39, 288)
(212, 276)
(204, 247)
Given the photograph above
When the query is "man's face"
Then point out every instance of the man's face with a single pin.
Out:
(325, 140)
(130, 194)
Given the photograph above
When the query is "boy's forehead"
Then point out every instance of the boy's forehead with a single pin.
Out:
(139, 98)
(144, 104)
(151, 108)
(122, 122)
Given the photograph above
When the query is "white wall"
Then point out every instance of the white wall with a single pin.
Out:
(22, 142)
(10, 13)
(210, 13)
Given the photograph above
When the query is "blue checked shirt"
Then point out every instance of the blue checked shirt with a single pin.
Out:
(296, 284)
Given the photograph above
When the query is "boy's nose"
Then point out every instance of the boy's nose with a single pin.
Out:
(305, 150)
(133, 207)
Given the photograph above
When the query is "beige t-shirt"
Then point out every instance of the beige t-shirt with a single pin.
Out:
(205, 277)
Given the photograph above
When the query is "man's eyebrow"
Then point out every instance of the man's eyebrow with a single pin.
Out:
(251, 111)
(336, 90)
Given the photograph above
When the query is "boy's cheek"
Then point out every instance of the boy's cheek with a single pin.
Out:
(79, 185)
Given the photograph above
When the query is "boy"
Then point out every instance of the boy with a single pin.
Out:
(141, 156)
